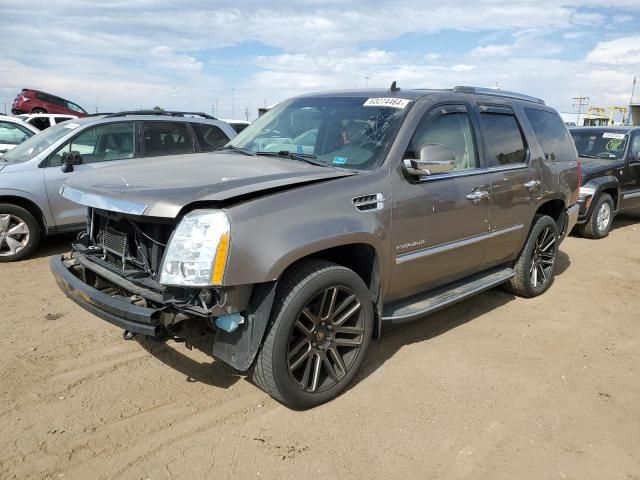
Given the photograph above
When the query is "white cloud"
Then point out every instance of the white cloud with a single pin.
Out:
(133, 52)
(492, 51)
(621, 51)
(164, 57)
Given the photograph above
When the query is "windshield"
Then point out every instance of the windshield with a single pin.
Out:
(608, 145)
(38, 143)
(348, 132)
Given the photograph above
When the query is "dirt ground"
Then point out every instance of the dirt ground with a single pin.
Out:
(496, 387)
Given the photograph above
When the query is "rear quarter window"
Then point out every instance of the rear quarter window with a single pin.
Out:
(210, 137)
(552, 135)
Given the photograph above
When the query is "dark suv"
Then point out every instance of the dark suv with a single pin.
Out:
(610, 175)
(35, 101)
(329, 217)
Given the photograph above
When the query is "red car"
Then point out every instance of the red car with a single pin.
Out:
(35, 101)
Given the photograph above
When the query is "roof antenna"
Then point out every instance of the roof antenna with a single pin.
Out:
(393, 88)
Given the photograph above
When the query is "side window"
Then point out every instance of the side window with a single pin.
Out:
(12, 134)
(635, 147)
(61, 119)
(103, 143)
(167, 138)
(41, 123)
(451, 130)
(210, 137)
(73, 106)
(552, 135)
(505, 143)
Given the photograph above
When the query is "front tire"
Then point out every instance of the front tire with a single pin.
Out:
(322, 321)
(599, 223)
(535, 267)
(19, 233)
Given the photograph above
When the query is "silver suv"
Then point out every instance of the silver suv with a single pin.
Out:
(31, 174)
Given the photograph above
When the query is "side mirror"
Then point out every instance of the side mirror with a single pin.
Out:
(434, 158)
(70, 159)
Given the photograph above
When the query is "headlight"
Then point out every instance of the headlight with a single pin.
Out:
(197, 252)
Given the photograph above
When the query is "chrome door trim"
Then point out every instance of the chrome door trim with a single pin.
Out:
(444, 247)
(631, 195)
(462, 173)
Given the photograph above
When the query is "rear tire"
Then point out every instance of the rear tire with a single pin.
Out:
(321, 326)
(535, 267)
(599, 223)
(19, 233)
(38, 110)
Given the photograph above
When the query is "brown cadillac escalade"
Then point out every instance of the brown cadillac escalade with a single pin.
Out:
(329, 217)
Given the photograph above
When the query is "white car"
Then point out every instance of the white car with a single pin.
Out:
(14, 131)
(43, 121)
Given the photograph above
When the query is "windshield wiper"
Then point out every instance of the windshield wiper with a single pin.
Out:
(588, 156)
(244, 151)
(304, 157)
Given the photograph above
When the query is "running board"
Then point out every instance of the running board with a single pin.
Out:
(434, 300)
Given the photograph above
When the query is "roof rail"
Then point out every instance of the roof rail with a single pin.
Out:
(497, 93)
(164, 113)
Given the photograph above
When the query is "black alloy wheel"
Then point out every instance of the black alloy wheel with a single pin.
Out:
(326, 339)
(321, 326)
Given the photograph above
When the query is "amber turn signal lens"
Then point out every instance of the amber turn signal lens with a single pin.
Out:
(220, 262)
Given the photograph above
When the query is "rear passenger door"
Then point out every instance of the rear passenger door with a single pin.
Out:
(515, 181)
(166, 138)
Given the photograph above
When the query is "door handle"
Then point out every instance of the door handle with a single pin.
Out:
(532, 184)
(477, 195)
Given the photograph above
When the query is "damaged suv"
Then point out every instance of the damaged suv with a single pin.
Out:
(327, 218)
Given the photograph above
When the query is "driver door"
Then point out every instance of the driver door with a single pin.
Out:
(631, 175)
(440, 221)
(99, 146)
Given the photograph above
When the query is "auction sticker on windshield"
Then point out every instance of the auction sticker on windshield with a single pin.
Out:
(387, 102)
(72, 125)
(617, 136)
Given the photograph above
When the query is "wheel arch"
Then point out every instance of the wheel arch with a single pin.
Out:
(28, 205)
(607, 184)
(362, 257)
(555, 208)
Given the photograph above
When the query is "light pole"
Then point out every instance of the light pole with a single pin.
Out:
(366, 82)
(633, 90)
(581, 103)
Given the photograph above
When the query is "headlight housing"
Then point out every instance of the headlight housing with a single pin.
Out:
(196, 255)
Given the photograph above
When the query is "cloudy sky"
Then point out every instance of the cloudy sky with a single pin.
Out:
(239, 54)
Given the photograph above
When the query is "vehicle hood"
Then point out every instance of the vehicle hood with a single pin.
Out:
(162, 186)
